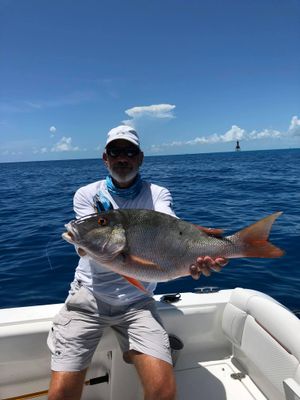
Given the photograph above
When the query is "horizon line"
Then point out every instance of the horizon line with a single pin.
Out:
(152, 155)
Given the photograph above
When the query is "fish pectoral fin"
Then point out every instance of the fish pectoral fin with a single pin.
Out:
(143, 262)
(135, 283)
(218, 233)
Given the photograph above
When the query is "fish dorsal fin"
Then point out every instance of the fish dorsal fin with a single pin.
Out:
(135, 283)
(218, 233)
(143, 262)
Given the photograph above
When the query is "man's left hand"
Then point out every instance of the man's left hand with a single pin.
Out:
(205, 265)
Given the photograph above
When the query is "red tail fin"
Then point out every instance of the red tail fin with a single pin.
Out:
(254, 239)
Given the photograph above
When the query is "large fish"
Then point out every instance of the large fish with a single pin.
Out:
(150, 246)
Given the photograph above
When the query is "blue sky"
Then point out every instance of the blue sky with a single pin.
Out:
(190, 76)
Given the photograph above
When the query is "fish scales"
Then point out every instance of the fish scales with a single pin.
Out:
(162, 241)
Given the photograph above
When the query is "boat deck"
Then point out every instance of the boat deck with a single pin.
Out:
(216, 380)
(234, 349)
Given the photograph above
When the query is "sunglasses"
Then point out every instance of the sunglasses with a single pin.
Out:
(129, 152)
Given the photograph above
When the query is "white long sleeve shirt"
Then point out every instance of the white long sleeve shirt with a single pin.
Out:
(106, 285)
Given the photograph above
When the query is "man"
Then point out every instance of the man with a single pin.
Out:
(100, 298)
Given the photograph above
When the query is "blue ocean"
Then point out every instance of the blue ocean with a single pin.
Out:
(221, 190)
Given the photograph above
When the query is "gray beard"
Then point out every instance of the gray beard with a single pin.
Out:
(123, 178)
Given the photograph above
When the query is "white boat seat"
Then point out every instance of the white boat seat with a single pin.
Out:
(291, 389)
(262, 345)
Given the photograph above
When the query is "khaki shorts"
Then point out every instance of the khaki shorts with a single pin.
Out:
(78, 328)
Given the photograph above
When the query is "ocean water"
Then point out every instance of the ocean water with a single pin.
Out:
(222, 190)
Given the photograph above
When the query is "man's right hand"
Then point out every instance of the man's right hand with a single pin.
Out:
(205, 265)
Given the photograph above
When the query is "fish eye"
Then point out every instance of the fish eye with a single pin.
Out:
(102, 221)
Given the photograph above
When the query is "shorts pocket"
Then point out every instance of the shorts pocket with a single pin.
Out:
(58, 334)
(81, 300)
(61, 319)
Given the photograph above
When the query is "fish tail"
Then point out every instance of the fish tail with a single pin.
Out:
(253, 240)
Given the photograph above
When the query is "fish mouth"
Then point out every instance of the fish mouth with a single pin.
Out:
(71, 235)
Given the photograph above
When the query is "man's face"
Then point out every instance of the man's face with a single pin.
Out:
(123, 159)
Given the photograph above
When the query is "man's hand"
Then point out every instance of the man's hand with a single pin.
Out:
(81, 252)
(205, 265)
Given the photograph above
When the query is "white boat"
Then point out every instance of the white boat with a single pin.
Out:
(238, 345)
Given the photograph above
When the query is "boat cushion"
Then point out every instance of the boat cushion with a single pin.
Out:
(233, 323)
(265, 337)
(291, 389)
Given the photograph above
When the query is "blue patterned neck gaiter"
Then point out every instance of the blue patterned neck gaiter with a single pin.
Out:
(127, 193)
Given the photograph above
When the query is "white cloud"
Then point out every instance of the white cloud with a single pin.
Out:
(266, 133)
(233, 134)
(64, 144)
(42, 150)
(11, 153)
(294, 128)
(155, 111)
(52, 130)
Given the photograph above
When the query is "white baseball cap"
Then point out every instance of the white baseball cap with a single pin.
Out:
(123, 132)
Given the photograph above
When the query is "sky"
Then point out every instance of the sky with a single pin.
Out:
(190, 76)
